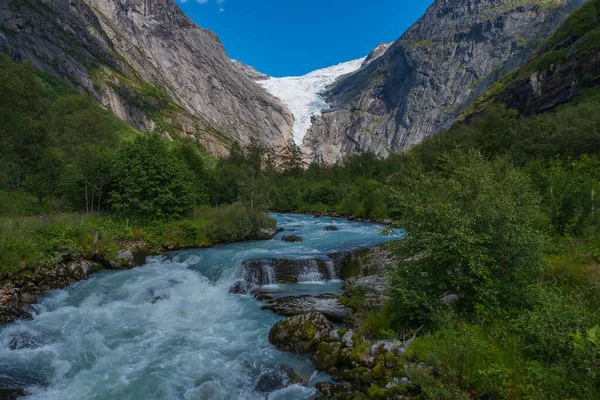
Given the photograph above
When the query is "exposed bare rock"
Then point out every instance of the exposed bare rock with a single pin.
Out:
(430, 75)
(250, 72)
(148, 63)
(328, 305)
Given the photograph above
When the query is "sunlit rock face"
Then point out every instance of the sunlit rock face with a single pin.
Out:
(457, 50)
(116, 49)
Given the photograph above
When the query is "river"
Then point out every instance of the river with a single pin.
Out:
(170, 329)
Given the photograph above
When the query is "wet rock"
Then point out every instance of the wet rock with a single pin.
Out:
(282, 377)
(301, 333)
(162, 293)
(263, 297)
(269, 383)
(331, 228)
(328, 305)
(267, 233)
(310, 270)
(242, 287)
(12, 394)
(24, 340)
(27, 298)
(292, 239)
(259, 272)
(81, 270)
(268, 272)
(132, 255)
(11, 314)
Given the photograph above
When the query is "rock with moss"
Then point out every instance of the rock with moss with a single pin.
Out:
(301, 334)
(326, 304)
(292, 239)
(130, 256)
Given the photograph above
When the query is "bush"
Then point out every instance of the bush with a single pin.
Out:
(150, 181)
(470, 232)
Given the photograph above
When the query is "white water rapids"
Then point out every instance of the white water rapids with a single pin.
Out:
(170, 329)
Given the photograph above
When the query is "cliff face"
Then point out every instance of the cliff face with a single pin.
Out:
(147, 62)
(563, 68)
(430, 75)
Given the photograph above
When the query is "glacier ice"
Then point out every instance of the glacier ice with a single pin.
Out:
(301, 94)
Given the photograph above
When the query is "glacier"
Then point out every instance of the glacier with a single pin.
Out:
(301, 94)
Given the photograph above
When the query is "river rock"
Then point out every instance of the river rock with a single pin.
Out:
(132, 255)
(24, 340)
(282, 377)
(242, 287)
(301, 333)
(291, 239)
(269, 272)
(12, 394)
(328, 305)
(27, 298)
(331, 228)
(11, 314)
(81, 270)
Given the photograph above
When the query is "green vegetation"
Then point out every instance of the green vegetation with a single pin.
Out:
(78, 183)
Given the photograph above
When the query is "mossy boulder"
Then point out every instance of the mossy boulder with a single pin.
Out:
(301, 334)
(328, 355)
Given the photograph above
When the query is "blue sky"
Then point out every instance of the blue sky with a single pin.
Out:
(293, 37)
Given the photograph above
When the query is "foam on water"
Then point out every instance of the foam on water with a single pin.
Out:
(168, 330)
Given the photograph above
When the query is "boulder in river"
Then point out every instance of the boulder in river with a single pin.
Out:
(10, 314)
(130, 256)
(269, 272)
(331, 228)
(292, 239)
(242, 287)
(301, 333)
(12, 394)
(282, 377)
(24, 340)
(328, 305)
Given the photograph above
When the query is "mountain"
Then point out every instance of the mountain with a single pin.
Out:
(301, 94)
(250, 72)
(148, 63)
(429, 76)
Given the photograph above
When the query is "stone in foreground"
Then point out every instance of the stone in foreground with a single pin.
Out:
(328, 305)
(301, 334)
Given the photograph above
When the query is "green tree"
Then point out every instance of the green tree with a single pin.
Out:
(470, 232)
(150, 181)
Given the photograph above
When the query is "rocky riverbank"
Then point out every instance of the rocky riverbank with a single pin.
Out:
(19, 292)
(360, 366)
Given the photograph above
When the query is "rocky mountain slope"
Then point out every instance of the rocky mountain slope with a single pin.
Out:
(250, 72)
(149, 64)
(430, 75)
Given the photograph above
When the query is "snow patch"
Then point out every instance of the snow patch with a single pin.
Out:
(301, 94)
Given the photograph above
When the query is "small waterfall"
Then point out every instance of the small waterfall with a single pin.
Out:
(268, 275)
(259, 273)
(331, 269)
(310, 272)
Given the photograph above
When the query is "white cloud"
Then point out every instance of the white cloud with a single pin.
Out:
(219, 2)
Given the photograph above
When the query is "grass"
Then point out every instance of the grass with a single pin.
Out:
(529, 355)
(46, 240)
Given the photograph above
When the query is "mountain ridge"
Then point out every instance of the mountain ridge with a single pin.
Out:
(148, 63)
(429, 75)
